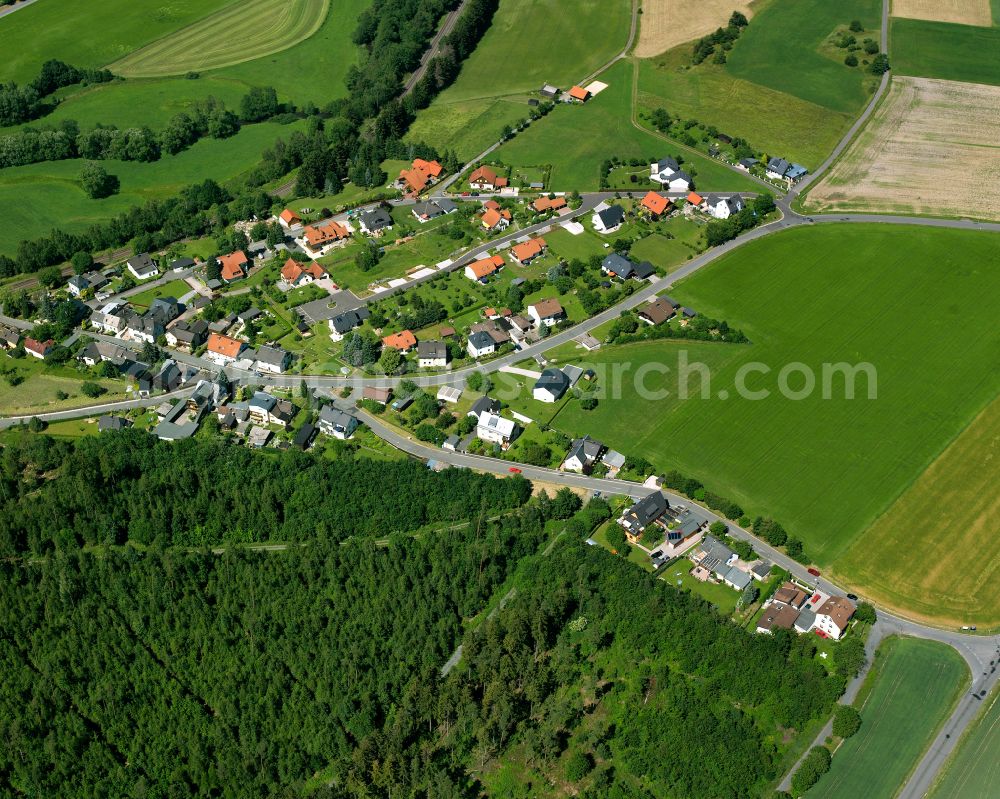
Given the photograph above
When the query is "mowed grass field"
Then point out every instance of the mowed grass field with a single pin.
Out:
(575, 139)
(974, 769)
(781, 50)
(950, 511)
(39, 197)
(916, 686)
(240, 32)
(771, 120)
(943, 50)
(41, 383)
(530, 43)
(913, 302)
(89, 34)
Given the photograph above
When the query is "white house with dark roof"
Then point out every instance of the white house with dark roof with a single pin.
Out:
(494, 429)
(337, 423)
(723, 207)
(550, 386)
(668, 173)
(273, 359)
(583, 454)
(432, 354)
(608, 220)
(142, 266)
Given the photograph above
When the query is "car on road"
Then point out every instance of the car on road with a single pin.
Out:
(853, 597)
(969, 627)
(813, 572)
(514, 470)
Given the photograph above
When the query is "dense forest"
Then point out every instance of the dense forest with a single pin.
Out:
(131, 487)
(170, 671)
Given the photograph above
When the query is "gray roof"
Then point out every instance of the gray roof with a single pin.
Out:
(484, 405)
(681, 175)
(446, 205)
(738, 577)
(261, 399)
(806, 619)
(648, 509)
(618, 264)
(716, 553)
(761, 569)
(748, 162)
(338, 419)
(667, 163)
(112, 423)
(586, 449)
(275, 356)
(375, 219)
(304, 435)
(574, 373)
(182, 263)
(141, 263)
(428, 208)
(347, 321)
(612, 215)
(555, 380)
(432, 349)
(778, 165)
(614, 459)
(481, 340)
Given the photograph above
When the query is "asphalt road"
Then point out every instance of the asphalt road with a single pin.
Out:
(94, 410)
(434, 48)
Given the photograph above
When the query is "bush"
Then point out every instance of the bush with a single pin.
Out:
(865, 613)
(851, 60)
(814, 766)
(578, 766)
(846, 722)
(93, 390)
(856, 26)
(880, 64)
(96, 181)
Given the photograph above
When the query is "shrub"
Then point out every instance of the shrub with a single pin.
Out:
(578, 766)
(846, 722)
(814, 766)
(851, 60)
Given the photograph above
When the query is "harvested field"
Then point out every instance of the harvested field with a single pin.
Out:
(961, 12)
(668, 23)
(929, 149)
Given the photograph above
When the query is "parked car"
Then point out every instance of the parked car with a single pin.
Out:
(853, 597)
(813, 572)
(514, 469)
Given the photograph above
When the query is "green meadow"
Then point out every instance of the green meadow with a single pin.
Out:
(575, 139)
(905, 300)
(916, 685)
(946, 51)
(39, 197)
(783, 49)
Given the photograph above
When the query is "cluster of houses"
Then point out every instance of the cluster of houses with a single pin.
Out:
(780, 169)
(668, 173)
(794, 607)
(432, 209)
(586, 453)
(575, 94)
(419, 176)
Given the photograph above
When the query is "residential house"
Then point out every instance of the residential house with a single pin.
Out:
(337, 423)
(714, 556)
(379, 394)
(317, 240)
(777, 168)
(432, 209)
(760, 571)
(482, 269)
(527, 251)
(550, 386)
(694, 199)
(791, 595)
(273, 359)
(737, 578)
(656, 204)
(420, 175)
(99, 351)
(289, 219)
(481, 343)
(137, 377)
(450, 443)
(168, 378)
(583, 454)
(485, 179)
(609, 219)
(108, 423)
(296, 274)
(432, 354)
(258, 437)
(658, 311)
(723, 207)
(497, 430)
(833, 616)
(233, 266)
(284, 412)
(668, 173)
(344, 323)
(795, 172)
(187, 335)
(746, 164)
(484, 405)
(180, 265)
(644, 513)
(777, 617)
(166, 309)
(38, 349)
(495, 217)
(96, 280)
(681, 536)
(546, 312)
(806, 621)
(223, 350)
(404, 341)
(375, 221)
(142, 266)
(618, 266)
(110, 318)
(304, 436)
(77, 284)
(545, 204)
(578, 94)
(9, 337)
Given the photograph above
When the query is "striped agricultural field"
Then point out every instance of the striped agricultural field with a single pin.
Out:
(239, 32)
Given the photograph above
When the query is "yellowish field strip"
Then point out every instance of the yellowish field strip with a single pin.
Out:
(936, 553)
(931, 148)
(241, 32)
(963, 12)
(668, 23)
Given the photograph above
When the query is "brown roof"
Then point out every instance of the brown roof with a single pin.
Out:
(403, 340)
(483, 175)
(579, 93)
(318, 235)
(233, 265)
(778, 616)
(293, 270)
(839, 609)
(655, 203)
(790, 595)
(41, 347)
(546, 204)
(528, 250)
(224, 345)
(547, 308)
(659, 310)
(446, 331)
(377, 393)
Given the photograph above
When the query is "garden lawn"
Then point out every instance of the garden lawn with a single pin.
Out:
(942, 50)
(88, 34)
(175, 289)
(667, 254)
(576, 139)
(907, 300)
(37, 392)
(915, 688)
(467, 126)
(39, 197)
(974, 769)
(781, 48)
(770, 120)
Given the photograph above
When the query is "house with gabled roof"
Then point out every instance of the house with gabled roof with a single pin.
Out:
(723, 207)
(494, 429)
(296, 274)
(643, 513)
(609, 219)
(233, 266)
(527, 251)
(38, 349)
(547, 312)
(344, 323)
(656, 204)
(142, 266)
(496, 218)
(486, 179)
(337, 423)
(432, 354)
(404, 341)
(317, 240)
(583, 454)
(375, 221)
(777, 168)
(544, 204)
(658, 311)
(578, 94)
(482, 269)
(223, 350)
(480, 343)
(289, 219)
(550, 386)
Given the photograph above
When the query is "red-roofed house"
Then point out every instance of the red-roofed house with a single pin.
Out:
(496, 220)
(233, 266)
(223, 349)
(485, 179)
(420, 176)
(296, 274)
(38, 349)
(289, 219)
(317, 240)
(579, 94)
(543, 204)
(656, 204)
(695, 199)
(480, 270)
(404, 341)
(525, 253)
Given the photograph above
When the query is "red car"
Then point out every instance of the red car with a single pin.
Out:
(813, 572)
(515, 470)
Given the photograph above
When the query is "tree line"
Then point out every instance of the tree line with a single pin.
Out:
(23, 103)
